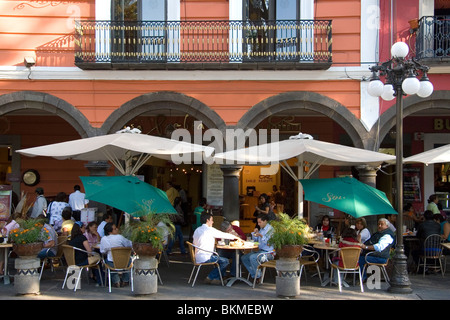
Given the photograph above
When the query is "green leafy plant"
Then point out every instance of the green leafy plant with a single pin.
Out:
(151, 228)
(288, 231)
(29, 231)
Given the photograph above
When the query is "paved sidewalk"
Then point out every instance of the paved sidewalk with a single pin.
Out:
(175, 287)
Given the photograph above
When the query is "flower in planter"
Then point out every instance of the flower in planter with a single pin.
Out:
(29, 231)
(288, 231)
(150, 228)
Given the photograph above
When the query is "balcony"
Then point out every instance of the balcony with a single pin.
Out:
(203, 45)
(433, 41)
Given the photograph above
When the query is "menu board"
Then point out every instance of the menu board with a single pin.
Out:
(5, 203)
(411, 185)
(214, 190)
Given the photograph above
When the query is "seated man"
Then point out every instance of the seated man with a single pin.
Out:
(227, 227)
(205, 237)
(50, 245)
(424, 230)
(113, 239)
(381, 241)
(262, 236)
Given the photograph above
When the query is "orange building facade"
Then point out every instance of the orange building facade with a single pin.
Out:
(221, 62)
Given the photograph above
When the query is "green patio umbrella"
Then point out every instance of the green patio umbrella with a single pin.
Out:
(348, 195)
(127, 193)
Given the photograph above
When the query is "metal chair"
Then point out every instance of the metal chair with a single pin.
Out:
(349, 257)
(382, 266)
(69, 255)
(58, 257)
(198, 265)
(122, 263)
(309, 257)
(263, 265)
(432, 250)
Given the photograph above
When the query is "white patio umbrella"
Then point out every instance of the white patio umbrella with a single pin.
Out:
(304, 148)
(120, 148)
(437, 155)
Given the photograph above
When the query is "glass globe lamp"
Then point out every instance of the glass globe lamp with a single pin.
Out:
(426, 87)
(411, 85)
(388, 92)
(399, 50)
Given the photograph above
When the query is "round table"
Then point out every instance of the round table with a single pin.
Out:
(232, 280)
(326, 247)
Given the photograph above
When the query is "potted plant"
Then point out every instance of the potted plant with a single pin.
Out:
(288, 237)
(28, 239)
(148, 231)
(148, 235)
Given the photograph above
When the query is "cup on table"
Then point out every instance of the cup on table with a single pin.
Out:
(227, 242)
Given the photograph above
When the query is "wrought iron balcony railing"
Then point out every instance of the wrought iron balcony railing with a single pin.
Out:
(433, 39)
(203, 44)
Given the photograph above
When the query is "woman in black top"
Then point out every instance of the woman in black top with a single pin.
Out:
(82, 258)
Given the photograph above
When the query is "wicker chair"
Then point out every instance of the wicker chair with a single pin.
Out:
(199, 265)
(349, 257)
(121, 263)
(382, 266)
(263, 265)
(69, 255)
(58, 257)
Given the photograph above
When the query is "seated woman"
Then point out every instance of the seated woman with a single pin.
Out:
(326, 227)
(78, 240)
(362, 232)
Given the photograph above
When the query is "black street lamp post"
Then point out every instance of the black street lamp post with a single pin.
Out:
(400, 74)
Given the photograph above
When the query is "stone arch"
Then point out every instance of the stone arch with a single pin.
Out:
(308, 101)
(438, 100)
(22, 100)
(166, 100)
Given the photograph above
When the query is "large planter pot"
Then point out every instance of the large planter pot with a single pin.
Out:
(26, 280)
(145, 249)
(288, 266)
(145, 269)
(289, 251)
(28, 250)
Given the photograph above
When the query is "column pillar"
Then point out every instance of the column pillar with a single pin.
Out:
(97, 168)
(231, 205)
(368, 175)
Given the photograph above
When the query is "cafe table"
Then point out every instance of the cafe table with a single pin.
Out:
(446, 245)
(248, 245)
(326, 247)
(6, 246)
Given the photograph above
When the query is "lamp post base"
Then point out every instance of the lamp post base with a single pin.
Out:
(399, 280)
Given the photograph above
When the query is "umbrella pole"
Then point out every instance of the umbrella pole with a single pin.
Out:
(300, 187)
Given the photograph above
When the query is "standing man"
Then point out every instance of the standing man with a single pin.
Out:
(262, 236)
(205, 238)
(40, 204)
(77, 201)
(171, 192)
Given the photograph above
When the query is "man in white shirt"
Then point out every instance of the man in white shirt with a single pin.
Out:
(77, 200)
(113, 239)
(204, 238)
